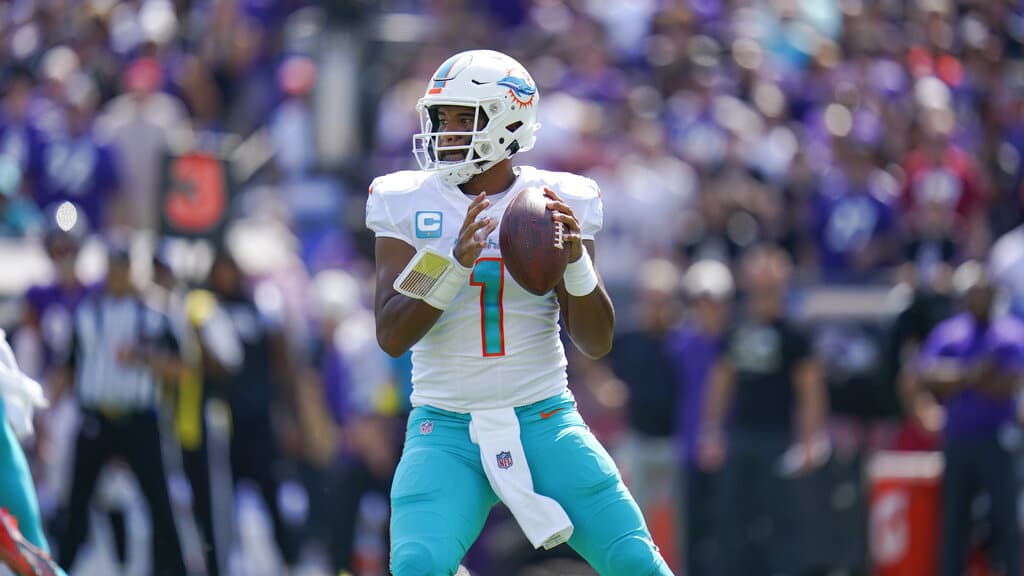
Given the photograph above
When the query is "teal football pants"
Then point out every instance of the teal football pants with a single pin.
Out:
(440, 497)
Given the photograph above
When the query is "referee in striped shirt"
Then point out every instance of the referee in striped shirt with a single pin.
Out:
(122, 348)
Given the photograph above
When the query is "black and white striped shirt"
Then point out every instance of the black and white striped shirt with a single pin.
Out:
(104, 325)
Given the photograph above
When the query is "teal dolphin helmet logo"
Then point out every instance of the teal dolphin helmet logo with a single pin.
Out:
(522, 91)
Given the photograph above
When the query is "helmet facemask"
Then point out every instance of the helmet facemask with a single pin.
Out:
(488, 145)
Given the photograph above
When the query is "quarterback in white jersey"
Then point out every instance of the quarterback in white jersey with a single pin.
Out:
(494, 331)
(493, 419)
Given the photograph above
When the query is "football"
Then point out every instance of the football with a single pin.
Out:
(531, 242)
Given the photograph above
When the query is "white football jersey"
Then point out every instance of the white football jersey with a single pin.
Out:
(496, 345)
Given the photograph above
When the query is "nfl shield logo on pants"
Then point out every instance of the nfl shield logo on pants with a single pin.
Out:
(504, 460)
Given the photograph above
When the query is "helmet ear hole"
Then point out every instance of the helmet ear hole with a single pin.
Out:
(513, 127)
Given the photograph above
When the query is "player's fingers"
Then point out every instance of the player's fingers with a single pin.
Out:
(471, 230)
(572, 238)
(479, 204)
(491, 226)
(569, 220)
(557, 206)
(481, 236)
(551, 194)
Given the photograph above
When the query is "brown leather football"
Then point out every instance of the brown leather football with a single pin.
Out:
(531, 242)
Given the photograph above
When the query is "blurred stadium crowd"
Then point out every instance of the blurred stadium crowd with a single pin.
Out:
(224, 147)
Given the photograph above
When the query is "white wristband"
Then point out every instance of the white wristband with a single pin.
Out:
(454, 279)
(580, 277)
(433, 277)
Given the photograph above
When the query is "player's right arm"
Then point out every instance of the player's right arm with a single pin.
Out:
(402, 320)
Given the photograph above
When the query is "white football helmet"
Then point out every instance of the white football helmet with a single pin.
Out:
(496, 86)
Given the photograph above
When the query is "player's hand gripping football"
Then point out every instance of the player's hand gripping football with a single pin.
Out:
(474, 232)
(563, 213)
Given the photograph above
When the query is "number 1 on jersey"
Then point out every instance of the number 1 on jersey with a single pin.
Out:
(489, 275)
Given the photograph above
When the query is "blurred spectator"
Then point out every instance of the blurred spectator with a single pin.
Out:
(213, 355)
(192, 80)
(710, 236)
(75, 166)
(140, 125)
(854, 217)
(944, 177)
(694, 348)
(931, 249)
(168, 291)
(20, 140)
(260, 391)
(244, 70)
(640, 358)
(927, 305)
(767, 394)
(648, 184)
(292, 124)
(19, 216)
(45, 336)
(121, 347)
(973, 363)
(360, 392)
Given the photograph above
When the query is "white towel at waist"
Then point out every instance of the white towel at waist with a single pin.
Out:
(20, 394)
(542, 519)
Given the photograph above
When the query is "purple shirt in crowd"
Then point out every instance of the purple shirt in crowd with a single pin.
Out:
(23, 143)
(694, 353)
(55, 307)
(969, 412)
(848, 220)
(80, 171)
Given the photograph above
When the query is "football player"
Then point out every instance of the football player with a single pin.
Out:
(490, 397)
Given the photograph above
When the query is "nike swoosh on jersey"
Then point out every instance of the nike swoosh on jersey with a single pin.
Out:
(545, 415)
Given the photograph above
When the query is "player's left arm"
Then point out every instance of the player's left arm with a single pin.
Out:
(590, 316)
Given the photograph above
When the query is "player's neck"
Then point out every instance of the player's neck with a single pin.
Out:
(499, 178)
